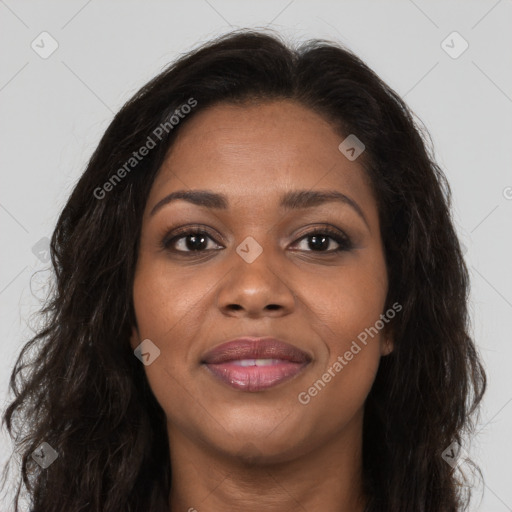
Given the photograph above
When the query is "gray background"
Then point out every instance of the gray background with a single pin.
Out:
(55, 109)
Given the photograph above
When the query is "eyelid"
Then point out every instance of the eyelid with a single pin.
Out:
(339, 236)
(322, 228)
(336, 234)
(174, 233)
(169, 242)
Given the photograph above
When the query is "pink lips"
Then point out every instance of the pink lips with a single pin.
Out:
(255, 364)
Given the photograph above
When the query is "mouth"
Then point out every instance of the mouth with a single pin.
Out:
(255, 364)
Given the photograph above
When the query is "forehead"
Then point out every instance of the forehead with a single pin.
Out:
(248, 151)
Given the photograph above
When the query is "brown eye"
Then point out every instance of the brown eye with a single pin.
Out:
(320, 240)
(190, 241)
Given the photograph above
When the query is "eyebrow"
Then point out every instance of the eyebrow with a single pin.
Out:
(294, 200)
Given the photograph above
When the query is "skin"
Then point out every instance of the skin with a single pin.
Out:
(261, 450)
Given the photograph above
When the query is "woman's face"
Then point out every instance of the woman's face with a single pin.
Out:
(258, 271)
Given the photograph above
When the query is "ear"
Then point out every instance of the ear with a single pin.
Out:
(387, 342)
(134, 338)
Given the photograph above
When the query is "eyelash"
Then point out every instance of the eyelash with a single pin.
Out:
(343, 241)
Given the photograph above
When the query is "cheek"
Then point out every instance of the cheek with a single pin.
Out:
(167, 312)
(347, 302)
(166, 309)
(167, 302)
(345, 311)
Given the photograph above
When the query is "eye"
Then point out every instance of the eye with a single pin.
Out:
(198, 240)
(190, 240)
(320, 239)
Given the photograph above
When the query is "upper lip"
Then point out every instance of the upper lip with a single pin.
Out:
(255, 348)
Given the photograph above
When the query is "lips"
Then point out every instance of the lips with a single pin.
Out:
(255, 364)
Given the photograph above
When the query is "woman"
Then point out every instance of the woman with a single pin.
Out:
(260, 301)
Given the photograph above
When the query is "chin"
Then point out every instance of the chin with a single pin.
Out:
(268, 447)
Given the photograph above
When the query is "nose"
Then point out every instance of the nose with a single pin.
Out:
(257, 288)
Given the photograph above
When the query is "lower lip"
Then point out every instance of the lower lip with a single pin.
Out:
(255, 378)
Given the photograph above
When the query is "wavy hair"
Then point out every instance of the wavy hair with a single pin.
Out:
(78, 386)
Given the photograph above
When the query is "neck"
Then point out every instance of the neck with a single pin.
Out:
(328, 477)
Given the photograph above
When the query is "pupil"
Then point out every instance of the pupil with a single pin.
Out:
(192, 242)
(323, 244)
